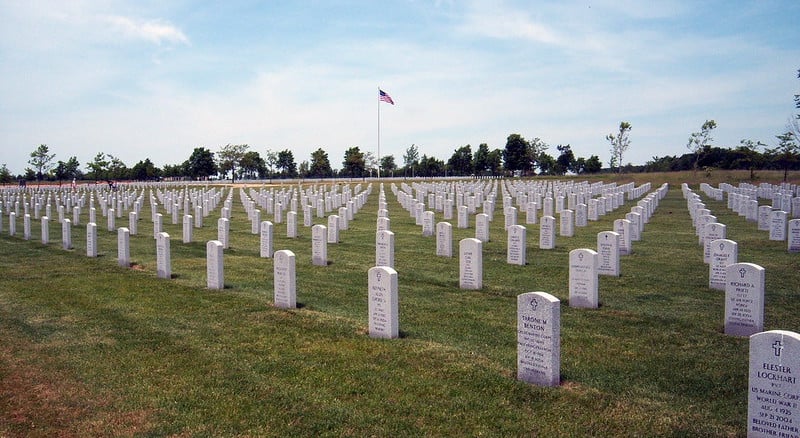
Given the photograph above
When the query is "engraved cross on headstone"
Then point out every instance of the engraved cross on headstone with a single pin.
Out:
(777, 346)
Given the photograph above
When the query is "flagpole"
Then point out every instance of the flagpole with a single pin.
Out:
(379, 132)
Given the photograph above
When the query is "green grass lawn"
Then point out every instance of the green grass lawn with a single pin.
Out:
(88, 348)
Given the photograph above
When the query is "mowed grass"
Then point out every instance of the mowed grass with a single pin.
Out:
(88, 348)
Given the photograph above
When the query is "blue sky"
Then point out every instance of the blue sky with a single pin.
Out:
(155, 79)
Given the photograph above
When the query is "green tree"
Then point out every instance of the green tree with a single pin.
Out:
(98, 167)
(480, 160)
(252, 165)
(230, 156)
(174, 170)
(353, 164)
(430, 167)
(145, 171)
(786, 155)
(749, 156)
(516, 156)
(411, 159)
(700, 140)
(547, 164)
(494, 162)
(117, 169)
(536, 147)
(565, 161)
(201, 164)
(620, 143)
(69, 170)
(593, 164)
(41, 160)
(271, 160)
(320, 165)
(460, 163)
(5, 174)
(285, 162)
(388, 165)
(304, 169)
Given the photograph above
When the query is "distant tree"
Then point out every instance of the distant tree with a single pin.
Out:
(749, 157)
(480, 159)
(370, 163)
(411, 158)
(593, 164)
(547, 164)
(535, 148)
(69, 170)
(320, 165)
(494, 161)
(303, 170)
(430, 167)
(786, 155)
(252, 165)
(201, 164)
(230, 156)
(580, 166)
(117, 169)
(515, 155)
(353, 164)
(285, 162)
(620, 143)
(698, 141)
(565, 161)
(174, 171)
(461, 161)
(388, 165)
(41, 160)
(98, 167)
(5, 174)
(271, 160)
(145, 171)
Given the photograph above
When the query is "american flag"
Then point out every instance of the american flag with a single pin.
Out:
(385, 97)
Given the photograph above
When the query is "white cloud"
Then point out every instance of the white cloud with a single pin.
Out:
(155, 31)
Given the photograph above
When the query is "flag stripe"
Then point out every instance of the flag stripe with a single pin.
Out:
(385, 97)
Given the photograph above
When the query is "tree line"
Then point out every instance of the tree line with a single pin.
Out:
(519, 157)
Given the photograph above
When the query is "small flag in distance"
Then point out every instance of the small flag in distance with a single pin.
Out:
(385, 97)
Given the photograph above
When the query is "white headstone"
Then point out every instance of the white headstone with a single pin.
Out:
(187, 228)
(111, 219)
(722, 252)
(744, 299)
(157, 221)
(285, 279)
(777, 225)
(547, 232)
(163, 256)
(124, 247)
(291, 224)
(463, 217)
(384, 248)
(333, 228)
(764, 217)
(319, 245)
(26, 226)
(608, 253)
(223, 226)
(482, 227)
(45, 230)
(215, 270)
(623, 228)
(516, 251)
(567, 223)
(470, 264)
(583, 278)
(383, 303)
(711, 232)
(66, 234)
(539, 339)
(793, 237)
(91, 239)
(773, 384)
(266, 239)
(427, 223)
(444, 239)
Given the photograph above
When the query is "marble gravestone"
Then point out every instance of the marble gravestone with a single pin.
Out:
(384, 248)
(516, 251)
(539, 339)
(773, 386)
(608, 253)
(215, 273)
(583, 284)
(723, 252)
(285, 279)
(744, 299)
(470, 264)
(383, 303)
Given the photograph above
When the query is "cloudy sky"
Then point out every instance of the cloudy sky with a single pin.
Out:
(155, 79)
